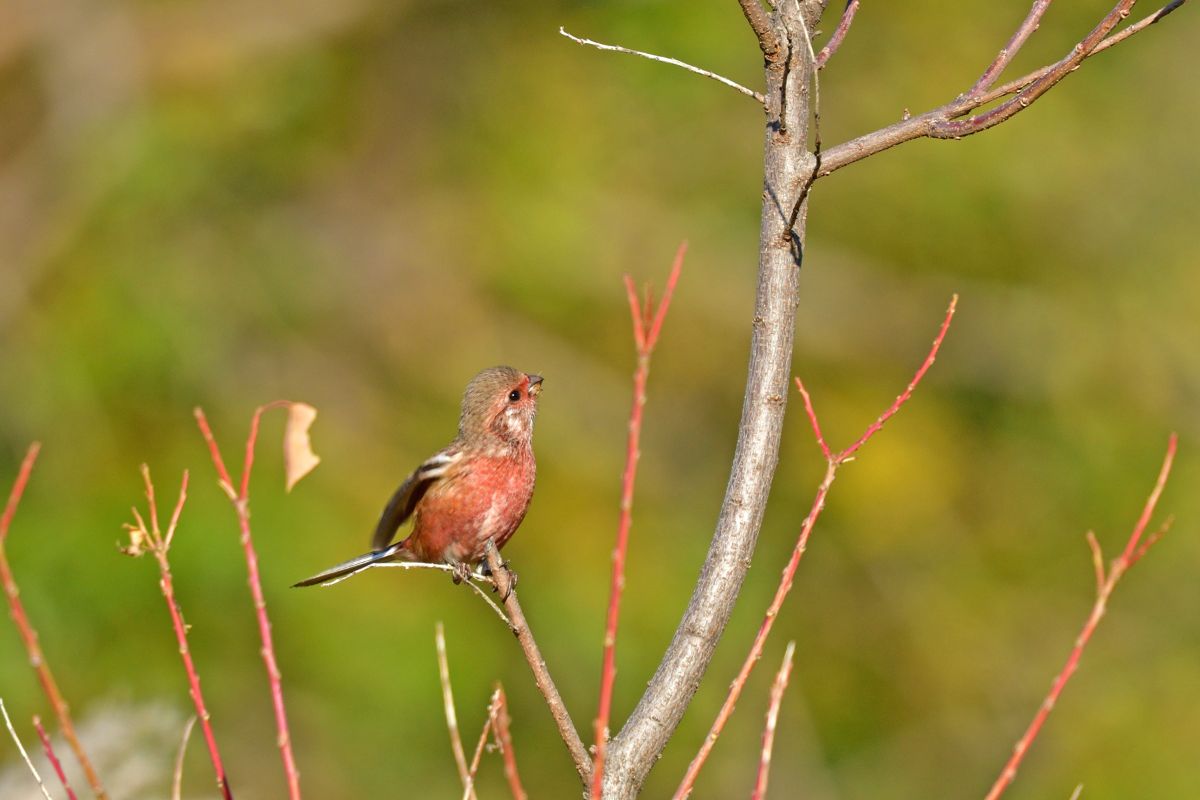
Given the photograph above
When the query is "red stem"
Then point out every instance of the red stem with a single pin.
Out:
(501, 728)
(29, 637)
(839, 34)
(241, 504)
(1103, 592)
(52, 758)
(833, 462)
(645, 334)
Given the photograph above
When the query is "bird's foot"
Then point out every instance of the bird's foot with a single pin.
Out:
(461, 572)
(508, 581)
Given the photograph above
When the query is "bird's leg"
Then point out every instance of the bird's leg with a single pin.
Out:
(462, 572)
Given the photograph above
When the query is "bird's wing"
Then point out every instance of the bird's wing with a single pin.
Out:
(401, 506)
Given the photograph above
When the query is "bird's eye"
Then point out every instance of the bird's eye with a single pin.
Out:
(514, 395)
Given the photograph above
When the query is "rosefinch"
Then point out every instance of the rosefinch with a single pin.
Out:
(476, 488)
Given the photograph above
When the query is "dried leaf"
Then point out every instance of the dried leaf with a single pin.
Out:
(298, 456)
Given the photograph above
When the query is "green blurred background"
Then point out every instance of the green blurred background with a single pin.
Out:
(359, 204)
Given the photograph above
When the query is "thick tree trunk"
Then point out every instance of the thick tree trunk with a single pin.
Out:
(788, 169)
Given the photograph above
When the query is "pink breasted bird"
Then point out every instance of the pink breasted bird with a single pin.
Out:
(474, 489)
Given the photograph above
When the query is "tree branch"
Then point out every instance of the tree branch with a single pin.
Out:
(1104, 588)
(787, 164)
(839, 34)
(21, 749)
(764, 31)
(52, 757)
(1010, 50)
(768, 737)
(241, 505)
(936, 123)
(541, 675)
(833, 462)
(456, 745)
(665, 60)
(29, 636)
(647, 324)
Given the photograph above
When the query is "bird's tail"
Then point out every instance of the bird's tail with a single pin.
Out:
(344, 570)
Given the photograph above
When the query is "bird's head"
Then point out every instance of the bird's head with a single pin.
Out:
(499, 407)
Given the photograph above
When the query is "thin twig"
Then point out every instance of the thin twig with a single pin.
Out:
(922, 125)
(839, 34)
(52, 757)
(541, 675)
(647, 325)
(768, 737)
(21, 748)
(612, 48)
(456, 745)
(469, 785)
(833, 462)
(241, 505)
(151, 537)
(1007, 53)
(177, 777)
(1103, 591)
(501, 728)
(949, 129)
(29, 636)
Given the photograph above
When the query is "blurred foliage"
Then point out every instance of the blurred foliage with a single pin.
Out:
(359, 204)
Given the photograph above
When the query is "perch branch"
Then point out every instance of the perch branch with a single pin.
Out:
(833, 462)
(646, 329)
(1105, 583)
(52, 757)
(937, 123)
(469, 786)
(456, 745)
(768, 737)
(241, 504)
(541, 675)
(29, 637)
(612, 48)
(839, 34)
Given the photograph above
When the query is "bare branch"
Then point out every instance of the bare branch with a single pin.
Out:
(177, 777)
(241, 506)
(833, 462)
(923, 125)
(647, 325)
(1118, 569)
(665, 60)
(768, 737)
(52, 757)
(541, 675)
(839, 34)
(456, 745)
(949, 129)
(21, 748)
(29, 637)
(498, 713)
(1010, 50)
(760, 23)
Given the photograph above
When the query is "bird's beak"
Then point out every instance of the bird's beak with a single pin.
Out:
(535, 385)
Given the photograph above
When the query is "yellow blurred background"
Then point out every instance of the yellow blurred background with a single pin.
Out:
(360, 204)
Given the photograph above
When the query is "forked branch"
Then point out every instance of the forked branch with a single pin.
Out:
(833, 462)
(1135, 547)
(945, 121)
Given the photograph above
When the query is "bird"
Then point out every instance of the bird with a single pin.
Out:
(475, 489)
